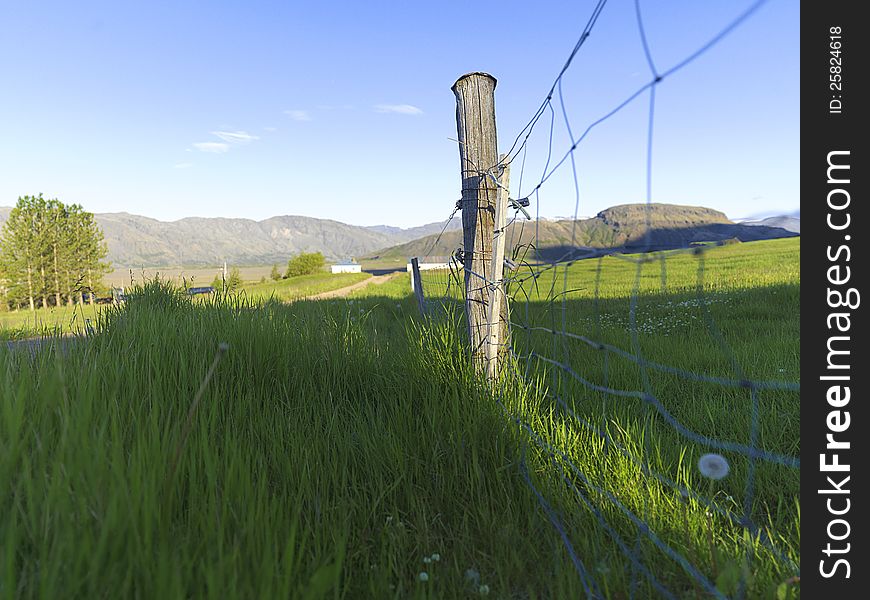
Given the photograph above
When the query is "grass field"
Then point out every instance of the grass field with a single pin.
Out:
(23, 324)
(340, 443)
(732, 312)
(302, 286)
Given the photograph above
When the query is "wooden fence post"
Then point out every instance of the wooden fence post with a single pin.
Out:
(497, 325)
(417, 284)
(478, 156)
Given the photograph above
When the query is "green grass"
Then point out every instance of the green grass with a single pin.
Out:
(24, 323)
(731, 305)
(302, 286)
(341, 442)
(731, 312)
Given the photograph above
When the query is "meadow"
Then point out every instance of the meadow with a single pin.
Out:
(65, 320)
(589, 336)
(22, 324)
(344, 448)
(295, 288)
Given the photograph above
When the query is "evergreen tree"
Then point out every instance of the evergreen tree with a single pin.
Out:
(18, 252)
(93, 252)
(49, 250)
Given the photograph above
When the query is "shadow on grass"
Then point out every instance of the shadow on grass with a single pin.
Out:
(338, 444)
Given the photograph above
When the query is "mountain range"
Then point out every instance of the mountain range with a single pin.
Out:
(136, 241)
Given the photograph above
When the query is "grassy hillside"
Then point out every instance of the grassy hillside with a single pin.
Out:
(344, 448)
(672, 226)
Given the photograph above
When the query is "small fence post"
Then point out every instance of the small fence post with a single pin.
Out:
(497, 326)
(478, 155)
(417, 284)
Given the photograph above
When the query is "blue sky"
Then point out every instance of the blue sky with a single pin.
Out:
(343, 110)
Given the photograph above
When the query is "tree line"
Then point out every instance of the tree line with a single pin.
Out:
(50, 254)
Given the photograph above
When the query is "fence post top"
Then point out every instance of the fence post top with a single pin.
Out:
(480, 73)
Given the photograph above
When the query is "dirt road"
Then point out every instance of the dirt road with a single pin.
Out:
(342, 292)
(34, 344)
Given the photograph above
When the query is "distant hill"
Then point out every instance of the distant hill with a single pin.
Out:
(623, 226)
(135, 240)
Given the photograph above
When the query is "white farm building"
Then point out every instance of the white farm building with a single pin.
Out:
(347, 266)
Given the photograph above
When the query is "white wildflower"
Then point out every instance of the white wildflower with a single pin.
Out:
(435, 556)
(423, 576)
(483, 589)
(427, 560)
(713, 466)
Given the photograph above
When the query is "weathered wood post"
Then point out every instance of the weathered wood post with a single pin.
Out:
(417, 284)
(497, 314)
(478, 156)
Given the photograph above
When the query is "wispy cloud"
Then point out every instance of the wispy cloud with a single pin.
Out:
(270, 129)
(213, 147)
(398, 109)
(235, 137)
(298, 115)
(182, 165)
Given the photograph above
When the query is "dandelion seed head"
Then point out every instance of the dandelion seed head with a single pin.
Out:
(427, 560)
(483, 590)
(713, 466)
(436, 557)
(423, 576)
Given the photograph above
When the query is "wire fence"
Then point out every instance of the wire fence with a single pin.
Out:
(634, 361)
